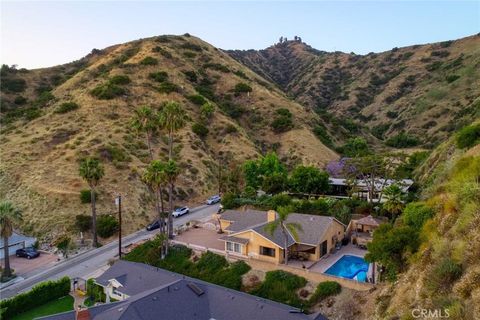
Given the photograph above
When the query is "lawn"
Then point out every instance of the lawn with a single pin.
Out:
(61, 305)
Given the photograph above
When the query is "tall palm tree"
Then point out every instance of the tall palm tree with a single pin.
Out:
(9, 216)
(91, 170)
(155, 177)
(145, 121)
(394, 204)
(285, 227)
(172, 118)
(171, 172)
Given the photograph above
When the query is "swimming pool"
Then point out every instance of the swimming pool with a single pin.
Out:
(350, 267)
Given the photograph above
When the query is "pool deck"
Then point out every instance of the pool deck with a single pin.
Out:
(324, 263)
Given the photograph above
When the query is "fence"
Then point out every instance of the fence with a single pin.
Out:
(266, 266)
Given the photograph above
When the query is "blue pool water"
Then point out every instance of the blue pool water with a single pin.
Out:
(350, 267)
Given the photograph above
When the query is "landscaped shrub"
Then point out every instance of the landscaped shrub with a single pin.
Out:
(107, 91)
(242, 88)
(168, 87)
(85, 196)
(281, 286)
(468, 136)
(402, 140)
(120, 79)
(95, 292)
(197, 99)
(325, 289)
(200, 130)
(107, 225)
(83, 222)
(160, 76)
(40, 294)
(149, 61)
(67, 107)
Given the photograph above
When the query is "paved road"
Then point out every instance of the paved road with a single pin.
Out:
(87, 263)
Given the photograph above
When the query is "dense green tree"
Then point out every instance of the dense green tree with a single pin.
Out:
(468, 136)
(309, 180)
(264, 171)
(416, 214)
(9, 217)
(355, 147)
(285, 227)
(91, 170)
(391, 246)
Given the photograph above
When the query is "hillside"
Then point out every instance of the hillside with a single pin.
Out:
(427, 91)
(53, 117)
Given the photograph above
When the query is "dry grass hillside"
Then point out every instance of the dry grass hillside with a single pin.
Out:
(427, 91)
(84, 108)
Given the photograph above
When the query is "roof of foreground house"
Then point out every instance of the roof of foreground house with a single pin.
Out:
(189, 299)
(241, 220)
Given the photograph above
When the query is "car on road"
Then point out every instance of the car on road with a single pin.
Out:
(180, 212)
(152, 226)
(214, 199)
(28, 253)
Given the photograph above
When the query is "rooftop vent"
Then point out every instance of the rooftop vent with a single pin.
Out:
(198, 291)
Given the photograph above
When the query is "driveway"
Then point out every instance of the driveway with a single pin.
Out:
(23, 267)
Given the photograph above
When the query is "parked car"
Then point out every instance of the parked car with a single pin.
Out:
(180, 211)
(28, 253)
(154, 225)
(214, 199)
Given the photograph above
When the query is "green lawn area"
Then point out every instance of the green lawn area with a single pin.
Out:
(53, 307)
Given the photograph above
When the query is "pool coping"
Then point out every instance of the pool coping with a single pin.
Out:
(352, 255)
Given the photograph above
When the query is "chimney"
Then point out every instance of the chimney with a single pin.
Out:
(271, 215)
(82, 314)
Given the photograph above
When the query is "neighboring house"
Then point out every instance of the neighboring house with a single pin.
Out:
(341, 188)
(361, 228)
(247, 235)
(183, 298)
(15, 242)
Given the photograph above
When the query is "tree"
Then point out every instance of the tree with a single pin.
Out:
(172, 118)
(416, 213)
(91, 170)
(9, 216)
(264, 172)
(145, 121)
(355, 147)
(206, 111)
(171, 173)
(63, 244)
(155, 178)
(285, 227)
(309, 180)
(391, 246)
(394, 204)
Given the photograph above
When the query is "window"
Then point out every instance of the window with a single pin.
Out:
(115, 292)
(265, 251)
(234, 247)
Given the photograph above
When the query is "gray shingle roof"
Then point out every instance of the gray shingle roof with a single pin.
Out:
(135, 277)
(234, 239)
(277, 237)
(242, 220)
(314, 227)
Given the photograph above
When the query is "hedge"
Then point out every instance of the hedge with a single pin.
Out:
(40, 294)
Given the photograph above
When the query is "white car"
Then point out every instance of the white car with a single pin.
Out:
(213, 199)
(180, 212)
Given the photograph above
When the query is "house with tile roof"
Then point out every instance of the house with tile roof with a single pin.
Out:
(247, 235)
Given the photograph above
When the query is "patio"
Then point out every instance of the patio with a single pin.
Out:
(326, 262)
(204, 237)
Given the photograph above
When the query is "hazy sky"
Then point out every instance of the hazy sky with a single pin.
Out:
(40, 34)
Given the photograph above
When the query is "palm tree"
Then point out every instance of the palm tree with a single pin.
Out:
(394, 204)
(171, 173)
(9, 216)
(146, 120)
(91, 170)
(172, 118)
(155, 177)
(285, 227)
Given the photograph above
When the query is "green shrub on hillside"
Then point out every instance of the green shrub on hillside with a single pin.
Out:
(416, 214)
(217, 67)
(197, 99)
(160, 76)
(20, 100)
(325, 289)
(83, 222)
(207, 110)
(9, 84)
(168, 87)
(322, 134)
(200, 130)
(107, 91)
(242, 87)
(402, 140)
(43, 99)
(444, 275)
(355, 147)
(452, 77)
(190, 75)
(66, 107)
(107, 225)
(120, 79)
(468, 136)
(283, 121)
(149, 61)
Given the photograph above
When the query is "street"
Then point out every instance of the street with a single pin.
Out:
(82, 265)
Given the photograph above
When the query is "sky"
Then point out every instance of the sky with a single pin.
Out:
(41, 34)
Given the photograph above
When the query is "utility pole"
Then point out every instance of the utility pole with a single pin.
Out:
(118, 202)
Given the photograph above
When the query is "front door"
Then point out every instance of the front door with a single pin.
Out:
(323, 248)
